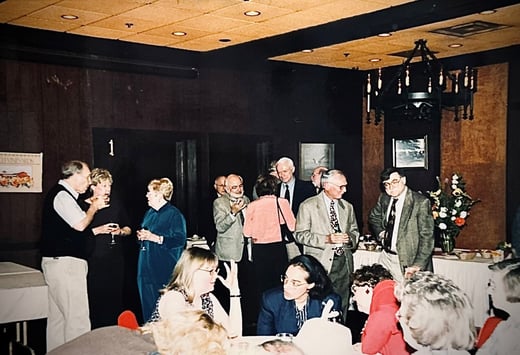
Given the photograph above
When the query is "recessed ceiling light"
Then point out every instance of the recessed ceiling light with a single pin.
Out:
(224, 40)
(455, 45)
(252, 13)
(179, 33)
(69, 17)
(374, 60)
(487, 12)
(308, 50)
(384, 34)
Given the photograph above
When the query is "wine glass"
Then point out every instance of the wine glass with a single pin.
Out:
(142, 242)
(113, 227)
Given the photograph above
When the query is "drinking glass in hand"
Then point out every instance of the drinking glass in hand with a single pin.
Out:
(142, 242)
(113, 227)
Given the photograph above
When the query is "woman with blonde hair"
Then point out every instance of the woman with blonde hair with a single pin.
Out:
(163, 237)
(436, 316)
(106, 265)
(191, 286)
(189, 332)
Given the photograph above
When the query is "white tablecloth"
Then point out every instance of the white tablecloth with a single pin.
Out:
(472, 276)
(23, 293)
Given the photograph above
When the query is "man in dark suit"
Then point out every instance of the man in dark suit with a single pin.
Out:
(326, 226)
(291, 188)
(408, 238)
(295, 190)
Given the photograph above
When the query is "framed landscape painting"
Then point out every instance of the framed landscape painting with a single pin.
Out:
(313, 155)
(410, 152)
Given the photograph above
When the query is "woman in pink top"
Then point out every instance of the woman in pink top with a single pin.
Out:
(262, 224)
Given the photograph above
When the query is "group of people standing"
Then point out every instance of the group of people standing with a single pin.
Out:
(82, 249)
(81, 254)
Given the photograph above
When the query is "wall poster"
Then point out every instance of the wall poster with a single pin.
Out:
(21, 172)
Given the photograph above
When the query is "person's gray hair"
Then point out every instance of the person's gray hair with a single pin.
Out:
(510, 270)
(72, 167)
(285, 161)
(329, 174)
(437, 312)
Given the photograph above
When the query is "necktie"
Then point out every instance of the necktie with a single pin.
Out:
(390, 226)
(240, 217)
(334, 224)
(287, 195)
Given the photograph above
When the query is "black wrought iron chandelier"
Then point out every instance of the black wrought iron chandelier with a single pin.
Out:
(420, 91)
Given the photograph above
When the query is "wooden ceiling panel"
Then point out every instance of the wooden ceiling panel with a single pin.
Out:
(127, 24)
(152, 22)
(212, 23)
(266, 12)
(112, 7)
(43, 24)
(166, 31)
(54, 13)
(99, 32)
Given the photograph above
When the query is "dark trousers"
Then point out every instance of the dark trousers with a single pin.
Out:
(340, 277)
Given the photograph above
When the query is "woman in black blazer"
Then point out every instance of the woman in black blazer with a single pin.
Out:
(306, 289)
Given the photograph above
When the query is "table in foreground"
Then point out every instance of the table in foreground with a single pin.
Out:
(23, 296)
(472, 276)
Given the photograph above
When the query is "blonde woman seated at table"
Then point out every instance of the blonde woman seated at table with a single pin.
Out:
(306, 289)
(435, 314)
(191, 332)
(190, 288)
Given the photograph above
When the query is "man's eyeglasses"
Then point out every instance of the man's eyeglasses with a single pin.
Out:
(392, 183)
(236, 187)
(340, 186)
(293, 283)
(212, 272)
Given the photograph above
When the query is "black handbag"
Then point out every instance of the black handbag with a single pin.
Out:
(287, 236)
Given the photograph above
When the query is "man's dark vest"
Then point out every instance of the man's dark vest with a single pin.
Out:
(58, 238)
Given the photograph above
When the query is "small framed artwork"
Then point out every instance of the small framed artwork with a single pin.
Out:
(21, 172)
(410, 152)
(313, 155)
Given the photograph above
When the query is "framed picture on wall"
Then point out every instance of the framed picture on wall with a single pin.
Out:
(313, 155)
(410, 152)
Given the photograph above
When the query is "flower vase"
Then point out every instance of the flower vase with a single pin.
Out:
(447, 242)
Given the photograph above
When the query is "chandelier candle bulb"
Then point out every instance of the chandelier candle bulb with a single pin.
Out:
(379, 80)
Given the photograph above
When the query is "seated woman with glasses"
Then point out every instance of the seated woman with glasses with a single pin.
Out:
(306, 289)
(373, 293)
(190, 287)
(436, 316)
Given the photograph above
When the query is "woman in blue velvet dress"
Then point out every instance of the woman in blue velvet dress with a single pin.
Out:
(306, 289)
(163, 238)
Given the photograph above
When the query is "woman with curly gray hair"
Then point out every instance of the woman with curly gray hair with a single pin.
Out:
(435, 314)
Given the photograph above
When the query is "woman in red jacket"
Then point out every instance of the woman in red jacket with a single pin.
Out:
(373, 290)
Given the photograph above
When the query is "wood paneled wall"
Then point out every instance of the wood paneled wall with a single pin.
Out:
(476, 149)
(53, 108)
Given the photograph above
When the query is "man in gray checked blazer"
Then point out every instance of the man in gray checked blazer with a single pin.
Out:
(331, 245)
(411, 241)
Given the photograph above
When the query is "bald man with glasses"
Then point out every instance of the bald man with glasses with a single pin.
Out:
(402, 219)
